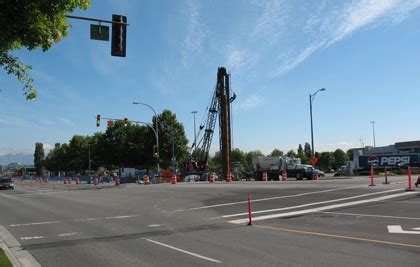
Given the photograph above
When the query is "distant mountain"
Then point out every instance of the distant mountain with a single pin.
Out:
(27, 159)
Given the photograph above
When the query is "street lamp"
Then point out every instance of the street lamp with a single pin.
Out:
(311, 99)
(195, 134)
(156, 132)
(373, 130)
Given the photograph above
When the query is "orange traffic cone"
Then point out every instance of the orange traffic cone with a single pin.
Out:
(174, 181)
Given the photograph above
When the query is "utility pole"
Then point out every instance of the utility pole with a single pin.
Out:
(373, 130)
(311, 99)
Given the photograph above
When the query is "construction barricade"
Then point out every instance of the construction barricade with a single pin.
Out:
(173, 181)
(265, 177)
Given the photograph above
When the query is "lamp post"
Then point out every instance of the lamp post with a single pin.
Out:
(373, 131)
(311, 99)
(156, 131)
(195, 134)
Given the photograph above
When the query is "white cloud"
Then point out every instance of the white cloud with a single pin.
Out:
(17, 121)
(344, 145)
(67, 122)
(325, 28)
(252, 101)
(47, 148)
(272, 22)
(195, 33)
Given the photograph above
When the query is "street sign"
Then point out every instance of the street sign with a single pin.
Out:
(314, 160)
(98, 32)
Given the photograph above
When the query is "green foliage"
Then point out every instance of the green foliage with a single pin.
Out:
(325, 160)
(291, 153)
(248, 157)
(32, 24)
(340, 158)
(276, 153)
(121, 146)
(39, 156)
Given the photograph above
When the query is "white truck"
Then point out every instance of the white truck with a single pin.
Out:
(274, 166)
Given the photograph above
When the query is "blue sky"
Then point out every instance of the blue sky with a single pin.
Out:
(365, 53)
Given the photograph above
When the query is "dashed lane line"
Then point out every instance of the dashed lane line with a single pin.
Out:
(309, 204)
(43, 237)
(76, 220)
(315, 210)
(36, 223)
(183, 251)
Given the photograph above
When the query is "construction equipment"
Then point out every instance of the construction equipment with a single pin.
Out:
(219, 107)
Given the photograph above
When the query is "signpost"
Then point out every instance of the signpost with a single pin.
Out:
(314, 160)
(98, 32)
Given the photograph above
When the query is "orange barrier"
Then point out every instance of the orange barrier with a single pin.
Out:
(77, 180)
(146, 179)
(117, 180)
(174, 180)
(229, 177)
(284, 176)
(265, 177)
(372, 176)
(212, 178)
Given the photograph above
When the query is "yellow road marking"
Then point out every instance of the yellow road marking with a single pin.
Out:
(338, 236)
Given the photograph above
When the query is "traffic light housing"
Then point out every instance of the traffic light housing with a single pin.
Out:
(125, 121)
(119, 36)
(98, 120)
(110, 123)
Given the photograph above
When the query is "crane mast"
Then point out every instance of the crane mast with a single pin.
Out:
(219, 106)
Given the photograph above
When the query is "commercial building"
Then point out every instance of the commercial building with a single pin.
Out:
(393, 156)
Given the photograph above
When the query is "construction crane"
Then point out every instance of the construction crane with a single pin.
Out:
(219, 107)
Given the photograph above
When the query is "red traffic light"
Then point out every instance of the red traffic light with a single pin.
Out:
(98, 120)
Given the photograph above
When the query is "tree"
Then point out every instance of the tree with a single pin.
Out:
(276, 153)
(39, 156)
(307, 150)
(170, 130)
(249, 156)
(340, 158)
(325, 160)
(32, 24)
(291, 153)
(349, 154)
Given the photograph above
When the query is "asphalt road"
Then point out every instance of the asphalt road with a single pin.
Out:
(295, 223)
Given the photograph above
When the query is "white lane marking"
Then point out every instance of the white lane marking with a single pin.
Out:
(417, 228)
(121, 217)
(31, 237)
(86, 220)
(36, 223)
(307, 205)
(397, 229)
(76, 220)
(371, 215)
(155, 225)
(270, 198)
(67, 234)
(330, 207)
(183, 251)
(41, 237)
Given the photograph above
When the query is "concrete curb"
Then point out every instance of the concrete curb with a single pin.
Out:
(17, 256)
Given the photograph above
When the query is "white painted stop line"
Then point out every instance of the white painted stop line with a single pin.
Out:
(330, 207)
(397, 229)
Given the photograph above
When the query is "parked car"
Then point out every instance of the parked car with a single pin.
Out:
(320, 173)
(192, 178)
(6, 183)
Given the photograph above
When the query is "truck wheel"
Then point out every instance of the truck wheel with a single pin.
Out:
(299, 176)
